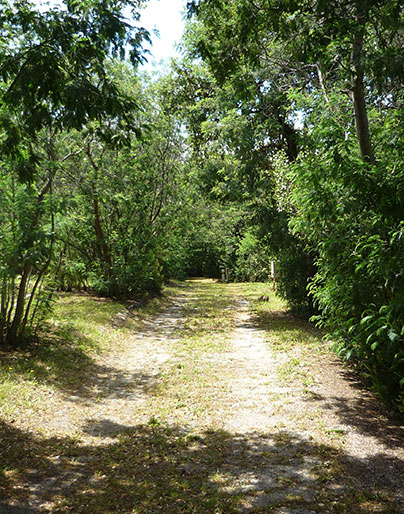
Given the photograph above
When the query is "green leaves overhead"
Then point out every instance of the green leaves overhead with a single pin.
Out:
(330, 76)
(52, 65)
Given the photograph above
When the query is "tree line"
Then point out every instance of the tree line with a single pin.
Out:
(278, 135)
(100, 187)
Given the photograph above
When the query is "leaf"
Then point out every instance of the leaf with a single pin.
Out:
(365, 320)
(381, 330)
(352, 329)
(393, 336)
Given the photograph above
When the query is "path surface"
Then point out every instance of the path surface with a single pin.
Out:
(260, 405)
(204, 412)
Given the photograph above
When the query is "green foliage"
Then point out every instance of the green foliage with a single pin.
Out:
(53, 71)
(23, 246)
(249, 131)
(140, 276)
(355, 225)
(253, 263)
(327, 78)
(54, 78)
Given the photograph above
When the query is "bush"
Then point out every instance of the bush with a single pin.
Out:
(351, 214)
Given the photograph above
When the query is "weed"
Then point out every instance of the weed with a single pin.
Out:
(288, 370)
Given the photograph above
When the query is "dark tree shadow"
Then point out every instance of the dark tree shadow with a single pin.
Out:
(171, 470)
(366, 414)
(360, 408)
(72, 371)
(61, 358)
(103, 428)
(285, 321)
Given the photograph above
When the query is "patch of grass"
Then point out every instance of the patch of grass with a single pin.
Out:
(207, 319)
(207, 342)
(358, 501)
(289, 370)
(61, 357)
(252, 291)
(208, 310)
(285, 331)
(307, 379)
(84, 306)
(18, 395)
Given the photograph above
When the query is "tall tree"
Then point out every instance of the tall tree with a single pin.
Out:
(338, 68)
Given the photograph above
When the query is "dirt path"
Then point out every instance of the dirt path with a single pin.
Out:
(131, 376)
(322, 437)
(211, 409)
(248, 363)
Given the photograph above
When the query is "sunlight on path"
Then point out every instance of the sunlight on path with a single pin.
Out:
(121, 394)
(216, 405)
(251, 364)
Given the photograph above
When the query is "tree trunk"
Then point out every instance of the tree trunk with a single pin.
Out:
(357, 85)
(101, 244)
(102, 247)
(14, 333)
(3, 309)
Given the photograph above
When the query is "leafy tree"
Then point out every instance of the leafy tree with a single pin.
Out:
(227, 164)
(53, 73)
(253, 123)
(336, 67)
(122, 200)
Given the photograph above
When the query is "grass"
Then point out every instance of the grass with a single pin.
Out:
(81, 327)
(289, 370)
(184, 395)
(286, 332)
(156, 468)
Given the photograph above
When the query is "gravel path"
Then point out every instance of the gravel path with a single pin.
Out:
(319, 440)
(288, 432)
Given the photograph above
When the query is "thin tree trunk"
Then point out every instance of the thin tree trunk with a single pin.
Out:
(3, 309)
(102, 246)
(358, 88)
(10, 305)
(14, 333)
(321, 80)
(42, 272)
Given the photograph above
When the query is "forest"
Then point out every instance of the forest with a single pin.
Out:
(279, 135)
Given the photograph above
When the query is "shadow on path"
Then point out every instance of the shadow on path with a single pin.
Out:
(168, 470)
(349, 400)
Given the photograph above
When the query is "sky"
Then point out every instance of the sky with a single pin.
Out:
(164, 15)
(167, 17)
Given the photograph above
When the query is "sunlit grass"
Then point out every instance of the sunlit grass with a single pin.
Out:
(80, 327)
(284, 330)
(207, 322)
